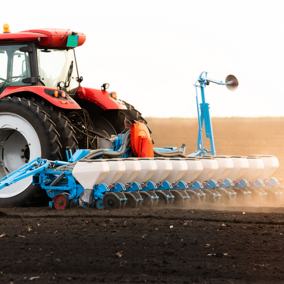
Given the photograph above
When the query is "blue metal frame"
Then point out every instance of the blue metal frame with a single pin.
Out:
(204, 114)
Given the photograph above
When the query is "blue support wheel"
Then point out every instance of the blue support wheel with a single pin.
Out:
(99, 204)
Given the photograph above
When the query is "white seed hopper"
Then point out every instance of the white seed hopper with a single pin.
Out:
(132, 169)
(116, 170)
(179, 169)
(225, 166)
(241, 165)
(270, 163)
(256, 166)
(195, 168)
(210, 166)
(148, 168)
(164, 168)
(90, 172)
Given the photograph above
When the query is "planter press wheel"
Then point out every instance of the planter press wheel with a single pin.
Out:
(209, 197)
(163, 199)
(155, 200)
(171, 200)
(147, 199)
(61, 202)
(120, 196)
(194, 197)
(271, 196)
(242, 197)
(138, 196)
(131, 200)
(111, 201)
(225, 196)
(179, 201)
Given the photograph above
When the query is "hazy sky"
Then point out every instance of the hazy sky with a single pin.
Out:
(151, 52)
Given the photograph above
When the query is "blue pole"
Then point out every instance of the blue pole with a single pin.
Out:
(207, 120)
(200, 122)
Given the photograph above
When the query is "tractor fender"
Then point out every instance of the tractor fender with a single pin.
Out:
(100, 98)
(44, 92)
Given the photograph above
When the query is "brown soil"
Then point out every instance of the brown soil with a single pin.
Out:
(204, 245)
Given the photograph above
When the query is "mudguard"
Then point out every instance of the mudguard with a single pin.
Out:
(100, 98)
(44, 92)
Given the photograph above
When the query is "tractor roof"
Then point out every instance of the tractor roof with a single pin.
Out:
(49, 38)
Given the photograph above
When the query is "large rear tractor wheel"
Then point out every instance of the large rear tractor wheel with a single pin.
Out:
(26, 133)
(134, 114)
(121, 119)
(62, 125)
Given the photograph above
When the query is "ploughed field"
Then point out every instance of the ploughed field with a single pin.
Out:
(193, 245)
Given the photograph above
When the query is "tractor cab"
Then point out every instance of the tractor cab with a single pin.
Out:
(40, 58)
(14, 66)
(57, 68)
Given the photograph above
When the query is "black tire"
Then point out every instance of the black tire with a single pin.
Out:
(242, 198)
(178, 200)
(102, 125)
(169, 194)
(131, 200)
(111, 201)
(154, 197)
(225, 196)
(48, 138)
(133, 114)
(61, 202)
(271, 196)
(209, 197)
(121, 119)
(194, 197)
(62, 125)
(163, 199)
(121, 195)
(147, 199)
(257, 196)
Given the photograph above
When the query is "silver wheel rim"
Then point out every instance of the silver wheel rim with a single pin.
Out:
(19, 144)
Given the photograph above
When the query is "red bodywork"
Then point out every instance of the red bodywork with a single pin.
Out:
(100, 98)
(49, 38)
(68, 103)
(140, 141)
(57, 38)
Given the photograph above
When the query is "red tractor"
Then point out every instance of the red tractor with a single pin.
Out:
(44, 109)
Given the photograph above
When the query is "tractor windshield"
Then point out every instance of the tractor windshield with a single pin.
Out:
(14, 66)
(58, 66)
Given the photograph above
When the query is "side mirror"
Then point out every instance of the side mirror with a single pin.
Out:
(105, 86)
(60, 85)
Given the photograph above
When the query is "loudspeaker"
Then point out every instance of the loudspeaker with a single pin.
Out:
(232, 82)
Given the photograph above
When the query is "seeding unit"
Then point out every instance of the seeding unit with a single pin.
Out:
(132, 173)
